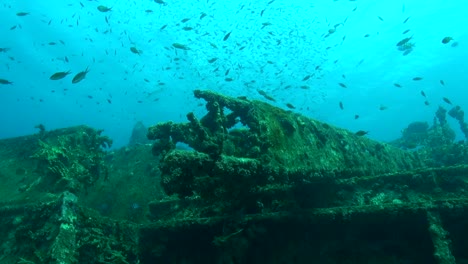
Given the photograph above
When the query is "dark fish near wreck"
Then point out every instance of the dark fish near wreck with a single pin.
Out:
(104, 9)
(446, 40)
(212, 60)
(227, 36)
(135, 50)
(80, 76)
(3, 81)
(361, 133)
(447, 100)
(404, 41)
(417, 78)
(59, 75)
(267, 96)
(290, 106)
(180, 46)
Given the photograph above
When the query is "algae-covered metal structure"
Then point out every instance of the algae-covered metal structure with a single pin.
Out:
(256, 184)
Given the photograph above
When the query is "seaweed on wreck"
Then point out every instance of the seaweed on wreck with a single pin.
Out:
(71, 161)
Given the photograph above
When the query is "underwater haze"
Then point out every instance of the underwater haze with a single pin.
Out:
(370, 65)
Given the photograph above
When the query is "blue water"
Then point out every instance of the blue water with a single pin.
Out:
(273, 51)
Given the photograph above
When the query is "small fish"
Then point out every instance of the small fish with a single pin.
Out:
(404, 41)
(22, 14)
(104, 9)
(180, 46)
(185, 20)
(426, 102)
(406, 31)
(417, 78)
(4, 49)
(290, 106)
(267, 96)
(202, 15)
(406, 20)
(59, 75)
(383, 107)
(446, 40)
(447, 100)
(442, 82)
(227, 36)
(80, 76)
(212, 60)
(361, 133)
(342, 85)
(341, 106)
(265, 24)
(423, 93)
(135, 50)
(228, 79)
(306, 78)
(161, 2)
(397, 85)
(3, 81)
(163, 27)
(380, 18)
(356, 116)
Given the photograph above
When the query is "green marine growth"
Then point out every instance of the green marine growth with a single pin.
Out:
(245, 154)
(71, 161)
(437, 143)
(458, 114)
